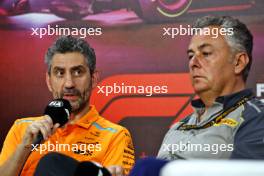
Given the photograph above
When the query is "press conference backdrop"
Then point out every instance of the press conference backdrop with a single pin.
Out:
(132, 48)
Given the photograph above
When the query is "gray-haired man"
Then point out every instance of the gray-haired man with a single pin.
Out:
(227, 120)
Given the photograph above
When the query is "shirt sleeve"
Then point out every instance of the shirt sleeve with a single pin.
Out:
(121, 152)
(163, 154)
(10, 144)
(249, 139)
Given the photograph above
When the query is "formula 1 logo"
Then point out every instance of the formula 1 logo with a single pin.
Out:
(151, 115)
(174, 103)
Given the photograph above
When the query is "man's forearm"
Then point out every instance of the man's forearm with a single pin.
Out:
(14, 164)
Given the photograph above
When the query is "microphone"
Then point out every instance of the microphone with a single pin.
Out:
(91, 168)
(59, 110)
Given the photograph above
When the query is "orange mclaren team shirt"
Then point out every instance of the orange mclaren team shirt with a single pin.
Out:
(91, 138)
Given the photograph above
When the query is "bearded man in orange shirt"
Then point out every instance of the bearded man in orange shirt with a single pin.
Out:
(71, 75)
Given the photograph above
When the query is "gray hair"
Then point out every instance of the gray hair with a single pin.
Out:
(240, 41)
(67, 44)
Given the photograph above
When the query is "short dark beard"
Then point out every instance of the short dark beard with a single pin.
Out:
(82, 104)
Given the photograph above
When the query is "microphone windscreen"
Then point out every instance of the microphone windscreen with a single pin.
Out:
(59, 110)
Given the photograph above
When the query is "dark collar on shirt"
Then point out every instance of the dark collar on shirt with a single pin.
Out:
(227, 101)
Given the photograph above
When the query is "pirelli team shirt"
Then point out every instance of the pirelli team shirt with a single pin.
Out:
(91, 138)
(240, 134)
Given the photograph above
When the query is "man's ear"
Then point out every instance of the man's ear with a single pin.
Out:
(48, 82)
(241, 61)
(95, 78)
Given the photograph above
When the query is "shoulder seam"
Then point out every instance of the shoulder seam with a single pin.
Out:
(254, 106)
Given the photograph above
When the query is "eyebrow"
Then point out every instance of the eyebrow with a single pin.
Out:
(189, 51)
(204, 45)
(58, 68)
(78, 67)
(199, 47)
(73, 68)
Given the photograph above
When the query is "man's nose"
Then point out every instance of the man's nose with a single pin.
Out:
(195, 61)
(69, 81)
